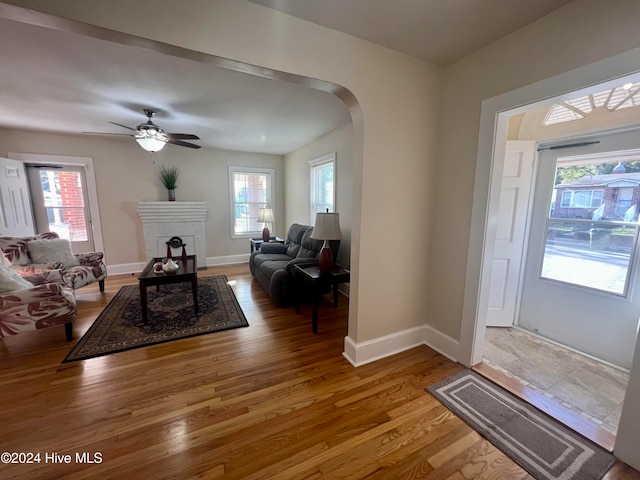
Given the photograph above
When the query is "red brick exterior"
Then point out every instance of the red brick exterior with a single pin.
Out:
(72, 204)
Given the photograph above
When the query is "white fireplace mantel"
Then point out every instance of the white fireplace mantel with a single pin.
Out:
(163, 220)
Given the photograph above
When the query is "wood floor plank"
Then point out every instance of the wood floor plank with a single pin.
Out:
(272, 400)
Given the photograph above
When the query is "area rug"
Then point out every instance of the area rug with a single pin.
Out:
(542, 446)
(170, 317)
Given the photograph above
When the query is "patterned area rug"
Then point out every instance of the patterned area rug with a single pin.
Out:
(543, 447)
(170, 317)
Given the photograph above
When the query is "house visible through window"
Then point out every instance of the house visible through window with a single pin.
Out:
(581, 198)
(322, 185)
(251, 189)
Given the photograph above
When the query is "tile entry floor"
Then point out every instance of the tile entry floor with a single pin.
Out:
(590, 388)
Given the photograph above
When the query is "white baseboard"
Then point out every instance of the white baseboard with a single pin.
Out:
(441, 343)
(137, 267)
(125, 268)
(228, 259)
(359, 354)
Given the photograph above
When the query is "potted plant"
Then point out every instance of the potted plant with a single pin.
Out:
(169, 177)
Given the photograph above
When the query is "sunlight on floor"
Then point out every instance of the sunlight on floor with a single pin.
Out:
(592, 389)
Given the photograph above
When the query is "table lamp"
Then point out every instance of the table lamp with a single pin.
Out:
(265, 215)
(327, 227)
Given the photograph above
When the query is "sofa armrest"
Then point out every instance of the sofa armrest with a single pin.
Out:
(300, 261)
(272, 247)
(89, 258)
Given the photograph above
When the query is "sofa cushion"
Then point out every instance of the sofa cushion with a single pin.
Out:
(310, 246)
(11, 280)
(294, 239)
(270, 267)
(56, 250)
(270, 257)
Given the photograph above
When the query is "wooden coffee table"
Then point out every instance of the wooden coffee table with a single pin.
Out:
(187, 272)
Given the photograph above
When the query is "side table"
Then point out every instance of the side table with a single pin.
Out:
(257, 242)
(310, 275)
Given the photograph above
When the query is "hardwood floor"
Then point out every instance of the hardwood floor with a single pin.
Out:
(269, 401)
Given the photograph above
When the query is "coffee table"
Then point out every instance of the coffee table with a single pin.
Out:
(187, 272)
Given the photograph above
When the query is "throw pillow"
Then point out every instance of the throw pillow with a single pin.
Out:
(52, 251)
(11, 280)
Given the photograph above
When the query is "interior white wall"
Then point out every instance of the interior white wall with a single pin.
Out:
(296, 178)
(126, 174)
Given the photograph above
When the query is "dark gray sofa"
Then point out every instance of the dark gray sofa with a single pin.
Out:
(273, 264)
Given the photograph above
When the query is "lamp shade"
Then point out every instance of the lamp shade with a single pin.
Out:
(327, 227)
(151, 144)
(265, 215)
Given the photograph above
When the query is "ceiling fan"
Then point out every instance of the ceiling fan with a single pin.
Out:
(153, 138)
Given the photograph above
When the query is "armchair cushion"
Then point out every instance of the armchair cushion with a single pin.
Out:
(54, 250)
(84, 269)
(15, 249)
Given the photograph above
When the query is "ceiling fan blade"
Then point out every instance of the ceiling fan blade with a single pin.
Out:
(182, 144)
(104, 133)
(183, 136)
(123, 126)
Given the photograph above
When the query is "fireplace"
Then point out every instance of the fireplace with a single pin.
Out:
(163, 220)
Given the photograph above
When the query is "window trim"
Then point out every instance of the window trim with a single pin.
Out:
(270, 197)
(316, 162)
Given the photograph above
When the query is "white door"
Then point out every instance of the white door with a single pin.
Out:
(510, 236)
(59, 195)
(580, 280)
(15, 204)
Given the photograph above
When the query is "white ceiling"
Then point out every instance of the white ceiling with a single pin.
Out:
(438, 31)
(59, 82)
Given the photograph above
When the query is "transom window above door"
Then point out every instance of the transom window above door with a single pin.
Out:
(618, 98)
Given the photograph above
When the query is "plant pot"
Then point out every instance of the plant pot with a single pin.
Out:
(172, 194)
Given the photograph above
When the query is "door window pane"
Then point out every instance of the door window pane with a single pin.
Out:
(64, 204)
(592, 227)
(590, 254)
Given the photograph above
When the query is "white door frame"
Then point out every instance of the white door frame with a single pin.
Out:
(494, 120)
(90, 178)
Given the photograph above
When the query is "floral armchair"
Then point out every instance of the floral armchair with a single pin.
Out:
(32, 307)
(85, 268)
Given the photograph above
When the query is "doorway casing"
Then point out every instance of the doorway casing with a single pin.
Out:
(494, 121)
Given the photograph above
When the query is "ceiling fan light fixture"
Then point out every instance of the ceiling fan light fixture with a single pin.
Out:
(151, 144)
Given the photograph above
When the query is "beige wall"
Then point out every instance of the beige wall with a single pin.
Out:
(580, 33)
(296, 176)
(394, 138)
(126, 175)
